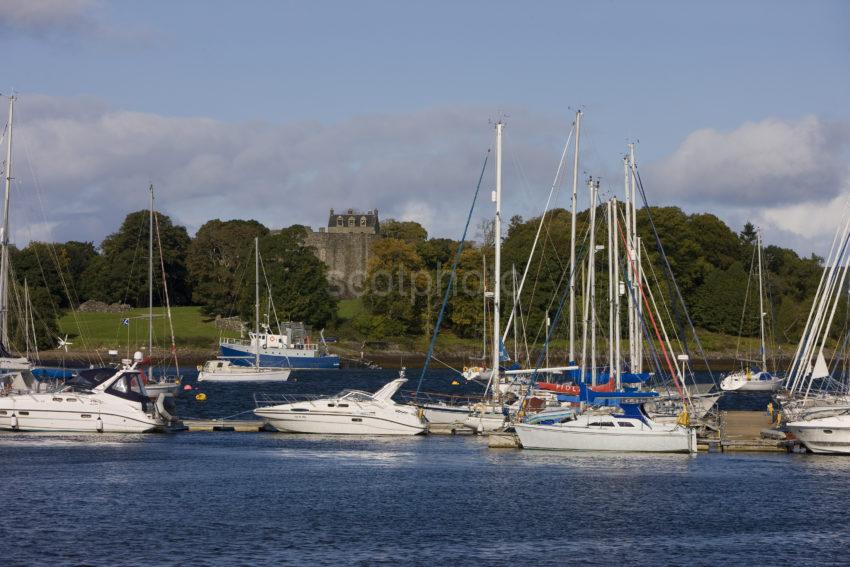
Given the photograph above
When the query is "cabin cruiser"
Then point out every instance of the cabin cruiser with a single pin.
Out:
(630, 431)
(291, 348)
(748, 381)
(222, 370)
(351, 412)
(824, 430)
(104, 400)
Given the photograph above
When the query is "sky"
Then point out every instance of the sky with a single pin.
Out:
(279, 111)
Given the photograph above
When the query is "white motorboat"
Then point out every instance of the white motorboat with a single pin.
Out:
(102, 400)
(485, 418)
(632, 431)
(824, 430)
(351, 412)
(747, 381)
(226, 371)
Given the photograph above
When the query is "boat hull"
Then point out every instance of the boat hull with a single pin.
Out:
(558, 438)
(297, 359)
(245, 376)
(340, 424)
(739, 382)
(72, 421)
(825, 436)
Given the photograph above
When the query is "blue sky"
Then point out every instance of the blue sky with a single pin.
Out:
(348, 87)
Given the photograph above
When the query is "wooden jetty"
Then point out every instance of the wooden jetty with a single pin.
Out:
(241, 426)
(742, 431)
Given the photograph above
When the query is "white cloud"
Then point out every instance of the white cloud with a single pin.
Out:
(786, 176)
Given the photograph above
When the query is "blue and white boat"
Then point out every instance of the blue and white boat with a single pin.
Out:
(292, 348)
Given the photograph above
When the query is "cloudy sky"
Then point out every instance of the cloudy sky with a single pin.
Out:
(279, 111)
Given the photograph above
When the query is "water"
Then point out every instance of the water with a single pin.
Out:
(264, 498)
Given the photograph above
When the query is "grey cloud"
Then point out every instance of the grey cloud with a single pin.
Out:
(46, 16)
(94, 163)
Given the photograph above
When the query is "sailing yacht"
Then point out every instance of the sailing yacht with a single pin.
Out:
(630, 431)
(747, 380)
(226, 370)
(351, 412)
(100, 400)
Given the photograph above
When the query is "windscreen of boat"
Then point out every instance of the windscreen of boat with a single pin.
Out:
(129, 387)
(90, 378)
(355, 396)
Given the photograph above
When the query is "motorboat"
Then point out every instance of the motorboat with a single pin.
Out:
(104, 400)
(629, 431)
(351, 412)
(824, 430)
(748, 381)
(225, 371)
(291, 348)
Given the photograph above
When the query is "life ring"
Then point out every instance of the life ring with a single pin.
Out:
(272, 339)
(465, 369)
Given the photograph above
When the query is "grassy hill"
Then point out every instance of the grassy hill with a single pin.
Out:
(105, 330)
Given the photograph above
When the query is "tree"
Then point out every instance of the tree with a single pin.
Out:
(409, 231)
(119, 274)
(57, 267)
(465, 315)
(748, 234)
(397, 287)
(297, 280)
(218, 260)
(437, 253)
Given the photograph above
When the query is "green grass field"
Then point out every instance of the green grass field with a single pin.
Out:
(104, 330)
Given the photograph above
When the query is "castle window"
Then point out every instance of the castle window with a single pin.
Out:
(339, 221)
(350, 221)
(362, 221)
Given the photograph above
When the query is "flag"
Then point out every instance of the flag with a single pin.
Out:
(125, 322)
(503, 352)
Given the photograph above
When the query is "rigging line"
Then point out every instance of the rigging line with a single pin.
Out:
(670, 271)
(746, 300)
(452, 277)
(539, 228)
(167, 299)
(72, 297)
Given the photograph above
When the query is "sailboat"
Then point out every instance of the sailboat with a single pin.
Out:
(747, 380)
(224, 370)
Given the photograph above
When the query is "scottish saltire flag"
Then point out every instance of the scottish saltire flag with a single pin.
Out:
(125, 322)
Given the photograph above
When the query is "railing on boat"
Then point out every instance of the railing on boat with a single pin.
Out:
(438, 398)
(264, 400)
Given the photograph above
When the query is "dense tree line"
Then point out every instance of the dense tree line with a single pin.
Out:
(712, 266)
(408, 274)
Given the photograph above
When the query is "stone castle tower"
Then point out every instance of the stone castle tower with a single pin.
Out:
(345, 246)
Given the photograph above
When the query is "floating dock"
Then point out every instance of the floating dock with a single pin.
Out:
(241, 426)
(742, 431)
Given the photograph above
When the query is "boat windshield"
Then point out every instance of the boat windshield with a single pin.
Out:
(355, 396)
(128, 386)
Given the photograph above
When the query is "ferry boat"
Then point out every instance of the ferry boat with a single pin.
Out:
(293, 348)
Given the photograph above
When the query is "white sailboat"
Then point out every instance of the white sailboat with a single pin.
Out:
(100, 400)
(631, 431)
(746, 380)
(223, 370)
(351, 412)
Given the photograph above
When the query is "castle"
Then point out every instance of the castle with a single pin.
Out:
(345, 246)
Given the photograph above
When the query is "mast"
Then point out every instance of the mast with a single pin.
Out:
(516, 313)
(4, 240)
(591, 279)
(497, 263)
(761, 304)
(616, 288)
(150, 287)
(637, 317)
(257, 303)
(611, 292)
(27, 317)
(484, 306)
(630, 257)
(573, 243)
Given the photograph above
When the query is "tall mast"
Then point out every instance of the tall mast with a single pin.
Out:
(257, 303)
(516, 312)
(497, 262)
(630, 258)
(150, 285)
(4, 241)
(573, 244)
(616, 287)
(591, 279)
(761, 304)
(610, 251)
(637, 362)
(484, 307)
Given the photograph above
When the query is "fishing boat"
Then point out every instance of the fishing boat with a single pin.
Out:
(747, 380)
(101, 400)
(228, 369)
(291, 347)
(350, 412)
(629, 431)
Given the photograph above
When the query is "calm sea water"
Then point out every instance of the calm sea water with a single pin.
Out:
(265, 498)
